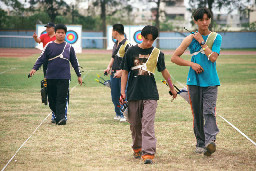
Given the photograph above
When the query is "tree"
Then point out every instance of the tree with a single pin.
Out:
(229, 4)
(107, 7)
(52, 7)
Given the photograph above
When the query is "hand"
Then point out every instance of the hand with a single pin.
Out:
(122, 98)
(80, 80)
(198, 37)
(107, 70)
(32, 72)
(118, 74)
(196, 67)
(34, 35)
(174, 94)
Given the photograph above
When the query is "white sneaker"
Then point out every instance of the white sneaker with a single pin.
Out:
(117, 118)
(122, 119)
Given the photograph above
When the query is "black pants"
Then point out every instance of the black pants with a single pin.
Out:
(57, 94)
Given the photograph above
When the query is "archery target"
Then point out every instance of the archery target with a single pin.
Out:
(137, 36)
(132, 33)
(71, 37)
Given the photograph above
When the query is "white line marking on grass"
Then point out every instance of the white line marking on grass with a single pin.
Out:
(7, 70)
(36, 129)
(25, 141)
(238, 130)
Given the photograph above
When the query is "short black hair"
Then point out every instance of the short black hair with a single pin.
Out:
(150, 30)
(119, 28)
(61, 26)
(199, 13)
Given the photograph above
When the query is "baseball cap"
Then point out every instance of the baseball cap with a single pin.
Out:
(49, 25)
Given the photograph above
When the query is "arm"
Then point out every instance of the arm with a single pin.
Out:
(167, 77)
(75, 65)
(212, 56)
(180, 50)
(123, 84)
(42, 58)
(109, 65)
(37, 39)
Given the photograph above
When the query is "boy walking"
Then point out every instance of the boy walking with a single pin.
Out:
(114, 67)
(202, 80)
(142, 94)
(59, 55)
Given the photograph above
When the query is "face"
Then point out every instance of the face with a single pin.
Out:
(147, 41)
(50, 30)
(114, 33)
(203, 24)
(60, 35)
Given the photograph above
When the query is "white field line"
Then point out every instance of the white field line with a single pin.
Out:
(36, 130)
(226, 120)
(7, 70)
(238, 130)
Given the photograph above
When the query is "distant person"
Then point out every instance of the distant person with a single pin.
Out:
(202, 80)
(59, 55)
(140, 62)
(114, 68)
(46, 38)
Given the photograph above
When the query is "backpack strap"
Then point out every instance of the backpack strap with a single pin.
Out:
(210, 40)
(60, 55)
(151, 63)
(121, 50)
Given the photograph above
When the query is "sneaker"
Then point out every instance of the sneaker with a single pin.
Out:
(210, 148)
(62, 122)
(200, 150)
(122, 119)
(137, 153)
(117, 118)
(148, 159)
(53, 121)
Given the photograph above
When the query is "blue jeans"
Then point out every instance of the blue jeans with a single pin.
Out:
(115, 93)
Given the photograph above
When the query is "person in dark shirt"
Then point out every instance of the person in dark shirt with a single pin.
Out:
(141, 62)
(114, 67)
(59, 55)
(46, 38)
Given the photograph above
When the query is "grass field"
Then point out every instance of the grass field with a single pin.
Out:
(92, 140)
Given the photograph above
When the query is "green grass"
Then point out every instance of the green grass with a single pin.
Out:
(92, 140)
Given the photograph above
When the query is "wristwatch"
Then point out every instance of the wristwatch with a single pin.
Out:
(202, 43)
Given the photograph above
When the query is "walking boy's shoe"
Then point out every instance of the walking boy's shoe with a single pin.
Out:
(148, 159)
(62, 122)
(122, 119)
(137, 153)
(117, 118)
(200, 150)
(210, 148)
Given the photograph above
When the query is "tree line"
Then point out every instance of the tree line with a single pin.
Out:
(110, 12)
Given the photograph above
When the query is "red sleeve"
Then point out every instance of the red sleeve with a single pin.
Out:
(42, 37)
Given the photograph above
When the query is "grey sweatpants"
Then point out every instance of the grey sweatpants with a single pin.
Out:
(141, 115)
(203, 105)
